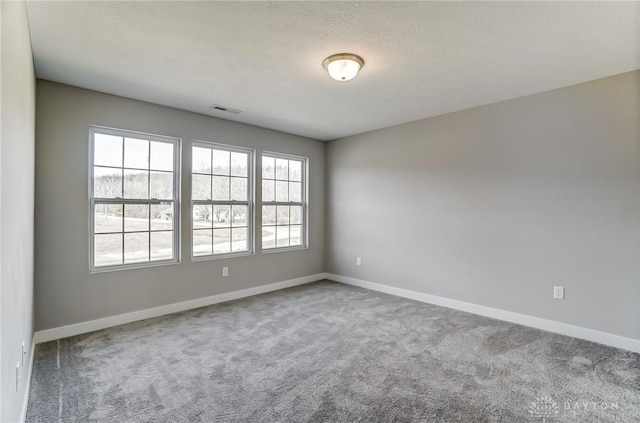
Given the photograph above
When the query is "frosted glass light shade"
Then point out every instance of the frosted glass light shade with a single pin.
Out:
(344, 66)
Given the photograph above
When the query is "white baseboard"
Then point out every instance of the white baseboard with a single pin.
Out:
(605, 338)
(120, 319)
(25, 402)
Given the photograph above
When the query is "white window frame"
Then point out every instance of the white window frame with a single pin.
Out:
(304, 233)
(250, 203)
(177, 143)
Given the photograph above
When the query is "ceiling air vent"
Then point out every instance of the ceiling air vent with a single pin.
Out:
(222, 108)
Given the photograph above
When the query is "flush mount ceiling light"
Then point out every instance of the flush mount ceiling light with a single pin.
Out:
(344, 66)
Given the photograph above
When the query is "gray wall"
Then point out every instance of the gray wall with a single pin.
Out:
(16, 206)
(65, 290)
(497, 204)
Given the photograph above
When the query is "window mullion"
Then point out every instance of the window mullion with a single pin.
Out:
(202, 202)
(122, 183)
(211, 181)
(282, 203)
(229, 203)
(130, 201)
(220, 203)
(149, 219)
(149, 173)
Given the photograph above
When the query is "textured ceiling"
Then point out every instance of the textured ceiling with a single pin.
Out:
(422, 58)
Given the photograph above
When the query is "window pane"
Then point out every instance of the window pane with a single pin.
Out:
(136, 217)
(161, 185)
(221, 162)
(107, 182)
(201, 160)
(282, 169)
(239, 240)
(295, 235)
(239, 189)
(202, 242)
(162, 245)
(268, 167)
(136, 247)
(282, 191)
(162, 216)
(107, 250)
(221, 216)
(107, 218)
(221, 241)
(295, 191)
(268, 190)
(283, 215)
(201, 187)
(295, 215)
(136, 184)
(239, 215)
(283, 236)
(202, 216)
(268, 237)
(107, 150)
(269, 215)
(295, 170)
(136, 153)
(161, 156)
(221, 188)
(239, 163)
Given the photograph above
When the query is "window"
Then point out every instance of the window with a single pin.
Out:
(221, 200)
(134, 199)
(284, 201)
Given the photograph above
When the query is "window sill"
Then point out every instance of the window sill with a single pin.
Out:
(221, 256)
(131, 266)
(285, 249)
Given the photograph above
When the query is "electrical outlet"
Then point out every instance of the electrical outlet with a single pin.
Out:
(17, 376)
(558, 292)
(24, 353)
(225, 271)
(358, 261)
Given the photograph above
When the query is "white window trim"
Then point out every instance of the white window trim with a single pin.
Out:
(304, 203)
(251, 201)
(177, 160)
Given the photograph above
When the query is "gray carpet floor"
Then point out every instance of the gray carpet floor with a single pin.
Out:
(327, 352)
